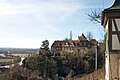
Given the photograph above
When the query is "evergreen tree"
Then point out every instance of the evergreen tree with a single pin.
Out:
(44, 49)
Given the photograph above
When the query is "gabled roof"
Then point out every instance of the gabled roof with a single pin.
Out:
(82, 37)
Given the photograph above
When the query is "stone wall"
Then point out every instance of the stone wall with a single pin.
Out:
(114, 66)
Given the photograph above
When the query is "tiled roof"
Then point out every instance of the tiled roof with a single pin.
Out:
(76, 40)
(57, 43)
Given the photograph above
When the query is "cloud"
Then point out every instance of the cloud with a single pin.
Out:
(45, 13)
(8, 8)
(23, 20)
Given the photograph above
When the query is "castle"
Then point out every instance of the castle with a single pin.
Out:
(82, 45)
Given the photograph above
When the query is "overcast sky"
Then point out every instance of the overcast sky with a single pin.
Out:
(26, 23)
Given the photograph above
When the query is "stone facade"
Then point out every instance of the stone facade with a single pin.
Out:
(82, 45)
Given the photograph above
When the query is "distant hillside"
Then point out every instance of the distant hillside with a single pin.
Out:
(17, 50)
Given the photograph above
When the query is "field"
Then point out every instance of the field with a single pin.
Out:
(6, 60)
(21, 55)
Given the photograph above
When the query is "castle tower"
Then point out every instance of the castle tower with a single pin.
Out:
(70, 35)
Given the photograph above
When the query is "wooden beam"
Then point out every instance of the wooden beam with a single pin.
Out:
(117, 31)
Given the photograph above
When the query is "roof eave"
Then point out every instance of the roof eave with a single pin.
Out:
(114, 13)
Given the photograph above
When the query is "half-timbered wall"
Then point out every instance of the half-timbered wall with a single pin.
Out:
(114, 36)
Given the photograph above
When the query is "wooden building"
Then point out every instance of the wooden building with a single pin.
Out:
(111, 24)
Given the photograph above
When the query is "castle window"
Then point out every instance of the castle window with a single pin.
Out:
(66, 44)
(85, 44)
(72, 44)
(78, 50)
(89, 45)
(80, 43)
(60, 44)
(57, 48)
(75, 44)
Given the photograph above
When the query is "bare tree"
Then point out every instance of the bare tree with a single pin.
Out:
(95, 15)
(89, 35)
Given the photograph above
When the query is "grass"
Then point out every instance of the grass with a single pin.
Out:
(6, 60)
(21, 55)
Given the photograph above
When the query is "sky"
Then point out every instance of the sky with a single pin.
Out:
(26, 23)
